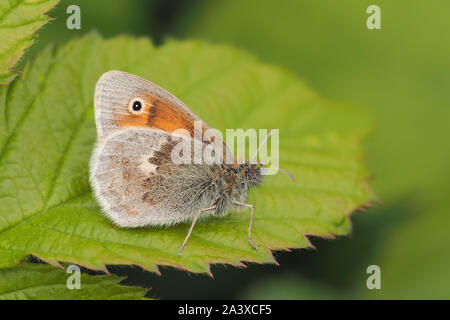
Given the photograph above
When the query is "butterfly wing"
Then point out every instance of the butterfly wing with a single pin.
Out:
(137, 183)
(117, 91)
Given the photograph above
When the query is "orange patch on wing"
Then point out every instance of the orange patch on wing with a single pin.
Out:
(160, 115)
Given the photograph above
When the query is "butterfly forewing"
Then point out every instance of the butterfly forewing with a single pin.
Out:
(115, 94)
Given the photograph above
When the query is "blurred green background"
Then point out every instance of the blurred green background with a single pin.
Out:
(401, 74)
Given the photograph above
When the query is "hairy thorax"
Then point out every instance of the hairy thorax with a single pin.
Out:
(230, 184)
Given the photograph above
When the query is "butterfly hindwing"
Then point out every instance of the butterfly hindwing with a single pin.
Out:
(132, 173)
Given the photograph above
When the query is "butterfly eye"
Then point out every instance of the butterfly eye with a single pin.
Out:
(136, 106)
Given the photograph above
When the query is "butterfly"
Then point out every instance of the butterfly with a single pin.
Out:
(132, 173)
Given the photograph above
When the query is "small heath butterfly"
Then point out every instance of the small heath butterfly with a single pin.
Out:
(140, 127)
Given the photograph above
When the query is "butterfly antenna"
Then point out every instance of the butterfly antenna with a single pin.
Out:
(290, 175)
(260, 146)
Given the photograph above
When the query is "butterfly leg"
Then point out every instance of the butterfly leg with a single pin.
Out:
(251, 222)
(192, 227)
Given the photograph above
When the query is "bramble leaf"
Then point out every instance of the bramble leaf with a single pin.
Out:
(19, 20)
(48, 131)
(42, 282)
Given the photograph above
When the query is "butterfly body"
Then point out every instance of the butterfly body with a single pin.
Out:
(132, 171)
(138, 184)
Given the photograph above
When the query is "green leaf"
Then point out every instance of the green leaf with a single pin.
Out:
(42, 282)
(19, 20)
(48, 131)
